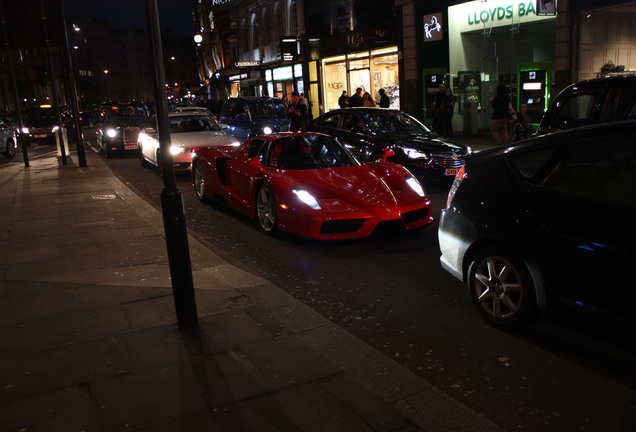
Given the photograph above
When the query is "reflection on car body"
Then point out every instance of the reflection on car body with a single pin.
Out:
(308, 184)
(366, 131)
(552, 217)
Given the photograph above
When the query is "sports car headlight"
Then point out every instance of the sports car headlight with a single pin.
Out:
(415, 153)
(111, 133)
(175, 150)
(415, 185)
(307, 198)
(267, 130)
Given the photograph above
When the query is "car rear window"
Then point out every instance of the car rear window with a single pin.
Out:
(574, 111)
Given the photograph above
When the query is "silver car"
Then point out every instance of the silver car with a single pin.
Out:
(187, 130)
(8, 140)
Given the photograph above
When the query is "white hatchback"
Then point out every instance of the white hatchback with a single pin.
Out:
(187, 130)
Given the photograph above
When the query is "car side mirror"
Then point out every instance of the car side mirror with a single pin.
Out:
(386, 153)
(253, 162)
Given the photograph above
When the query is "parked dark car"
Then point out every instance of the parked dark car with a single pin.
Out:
(593, 101)
(40, 125)
(366, 131)
(118, 126)
(553, 217)
(246, 117)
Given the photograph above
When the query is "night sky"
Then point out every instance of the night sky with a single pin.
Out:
(122, 13)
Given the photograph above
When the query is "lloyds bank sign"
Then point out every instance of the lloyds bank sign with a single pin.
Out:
(494, 13)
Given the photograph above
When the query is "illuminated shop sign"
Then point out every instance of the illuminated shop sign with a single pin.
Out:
(497, 13)
(247, 63)
(220, 2)
(237, 77)
(433, 27)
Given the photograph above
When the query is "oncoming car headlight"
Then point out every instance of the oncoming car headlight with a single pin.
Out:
(267, 130)
(307, 198)
(111, 133)
(415, 185)
(25, 130)
(415, 153)
(175, 150)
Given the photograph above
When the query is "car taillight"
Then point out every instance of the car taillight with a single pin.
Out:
(459, 178)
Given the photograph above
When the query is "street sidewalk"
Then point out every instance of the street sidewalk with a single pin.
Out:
(89, 342)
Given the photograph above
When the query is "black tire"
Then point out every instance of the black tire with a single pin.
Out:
(198, 181)
(266, 209)
(10, 149)
(142, 160)
(501, 288)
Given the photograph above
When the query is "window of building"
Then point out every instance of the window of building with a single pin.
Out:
(293, 18)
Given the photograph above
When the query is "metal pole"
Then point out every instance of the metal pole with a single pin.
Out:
(49, 63)
(14, 83)
(81, 155)
(171, 197)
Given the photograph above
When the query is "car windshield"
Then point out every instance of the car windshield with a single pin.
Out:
(267, 110)
(391, 122)
(125, 111)
(200, 123)
(303, 152)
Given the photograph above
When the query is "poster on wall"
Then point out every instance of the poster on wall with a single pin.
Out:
(433, 27)
(470, 86)
(546, 7)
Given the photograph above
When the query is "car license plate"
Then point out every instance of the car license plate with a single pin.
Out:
(40, 136)
(451, 171)
(130, 147)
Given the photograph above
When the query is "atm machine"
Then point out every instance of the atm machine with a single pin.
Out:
(533, 89)
(432, 79)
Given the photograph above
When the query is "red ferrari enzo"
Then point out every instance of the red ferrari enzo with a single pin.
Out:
(308, 184)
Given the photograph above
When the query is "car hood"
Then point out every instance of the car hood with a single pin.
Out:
(376, 188)
(203, 138)
(430, 141)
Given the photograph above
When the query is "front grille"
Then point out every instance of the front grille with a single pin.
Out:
(415, 215)
(341, 226)
(130, 135)
(450, 159)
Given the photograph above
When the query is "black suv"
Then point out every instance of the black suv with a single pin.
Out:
(593, 101)
(118, 126)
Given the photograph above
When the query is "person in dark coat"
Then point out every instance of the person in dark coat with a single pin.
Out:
(343, 100)
(356, 99)
(297, 113)
(385, 101)
(448, 108)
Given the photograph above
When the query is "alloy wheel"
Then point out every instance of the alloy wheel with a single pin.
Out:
(266, 209)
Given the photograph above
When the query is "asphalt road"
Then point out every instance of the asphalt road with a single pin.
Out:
(568, 372)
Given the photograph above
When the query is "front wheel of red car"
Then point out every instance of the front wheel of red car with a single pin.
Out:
(266, 209)
(198, 180)
(501, 288)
